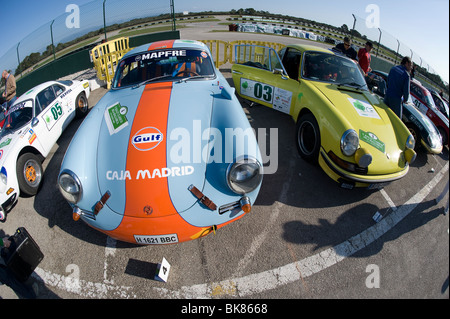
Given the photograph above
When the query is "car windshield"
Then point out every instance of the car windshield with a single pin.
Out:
(163, 65)
(325, 67)
(18, 116)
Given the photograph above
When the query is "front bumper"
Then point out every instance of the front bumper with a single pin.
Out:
(349, 179)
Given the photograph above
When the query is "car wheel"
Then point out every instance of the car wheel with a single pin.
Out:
(415, 133)
(308, 138)
(29, 173)
(443, 135)
(82, 105)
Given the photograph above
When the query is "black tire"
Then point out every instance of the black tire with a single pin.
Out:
(308, 138)
(443, 135)
(416, 134)
(29, 173)
(82, 105)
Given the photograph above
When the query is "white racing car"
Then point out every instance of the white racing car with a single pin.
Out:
(31, 128)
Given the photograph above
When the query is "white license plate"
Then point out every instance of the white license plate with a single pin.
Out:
(156, 240)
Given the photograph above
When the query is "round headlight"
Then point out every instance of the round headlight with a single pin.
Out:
(70, 187)
(349, 142)
(410, 142)
(244, 175)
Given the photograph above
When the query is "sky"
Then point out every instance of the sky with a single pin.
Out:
(422, 26)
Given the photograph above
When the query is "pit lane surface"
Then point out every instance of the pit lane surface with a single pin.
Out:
(305, 237)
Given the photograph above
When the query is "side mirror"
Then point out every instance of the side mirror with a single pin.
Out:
(34, 121)
(281, 72)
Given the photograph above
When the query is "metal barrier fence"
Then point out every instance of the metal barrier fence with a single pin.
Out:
(105, 57)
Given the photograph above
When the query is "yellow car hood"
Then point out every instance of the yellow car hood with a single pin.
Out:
(379, 129)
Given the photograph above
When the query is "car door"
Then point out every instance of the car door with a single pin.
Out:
(49, 116)
(260, 75)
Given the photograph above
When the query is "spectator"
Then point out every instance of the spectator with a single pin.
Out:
(10, 88)
(364, 57)
(346, 48)
(398, 86)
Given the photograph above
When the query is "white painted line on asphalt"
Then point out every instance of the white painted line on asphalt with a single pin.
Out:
(388, 199)
(271, 279)
(110, 250)
(257, 242)
(263, 281)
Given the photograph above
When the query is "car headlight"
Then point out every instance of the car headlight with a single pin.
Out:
(244, 176)
(349, 142)
(70, 187)
(410, 142)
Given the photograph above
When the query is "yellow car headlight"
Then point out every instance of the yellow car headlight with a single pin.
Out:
(410, 142)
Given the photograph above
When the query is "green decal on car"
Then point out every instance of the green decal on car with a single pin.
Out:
(115, 117)
(373, 140)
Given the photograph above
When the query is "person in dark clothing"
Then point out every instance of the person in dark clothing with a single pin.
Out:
(346, 48)
(398, 86)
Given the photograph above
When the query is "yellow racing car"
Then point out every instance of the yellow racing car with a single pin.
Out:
(356, 139)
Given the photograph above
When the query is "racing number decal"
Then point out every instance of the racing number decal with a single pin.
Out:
(263, 92)
(56, 111)
(52, 115)
(280, 99)
(257, 90)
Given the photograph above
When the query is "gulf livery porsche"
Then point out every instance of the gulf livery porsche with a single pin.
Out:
(167, 155)
(356, 139)
(32, 125)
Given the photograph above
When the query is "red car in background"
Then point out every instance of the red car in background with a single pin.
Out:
(423, 100)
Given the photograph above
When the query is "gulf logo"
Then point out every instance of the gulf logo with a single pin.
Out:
(147, 139)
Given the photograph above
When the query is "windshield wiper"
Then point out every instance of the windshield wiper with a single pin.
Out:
(151, 80)
(195, 77)
(351, 84)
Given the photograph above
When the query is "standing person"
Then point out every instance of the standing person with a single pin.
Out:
(364, 57)
(10, 88)
(8, 278)
(346, 48)
(398, 86)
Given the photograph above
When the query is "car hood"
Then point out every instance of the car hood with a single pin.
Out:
(149, 143)
(375, 125)
(8, 140)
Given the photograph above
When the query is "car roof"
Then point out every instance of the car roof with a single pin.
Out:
(31, 93)
(309, 47)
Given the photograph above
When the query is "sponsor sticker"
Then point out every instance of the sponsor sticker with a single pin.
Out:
(147, 139)
(364, 109)
(115, 118)
(373, 140)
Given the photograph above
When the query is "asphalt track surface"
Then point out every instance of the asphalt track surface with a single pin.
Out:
(305, 238)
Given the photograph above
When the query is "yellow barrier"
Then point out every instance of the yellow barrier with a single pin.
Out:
(105, 57)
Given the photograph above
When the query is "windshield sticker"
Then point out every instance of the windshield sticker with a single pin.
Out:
(147, 139)
(373, 140)
(115, 118)
(160, 54)
(364, 109)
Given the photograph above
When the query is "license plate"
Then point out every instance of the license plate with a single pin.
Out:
(156, 240)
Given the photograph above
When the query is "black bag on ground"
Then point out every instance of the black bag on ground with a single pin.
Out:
(23, 255)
